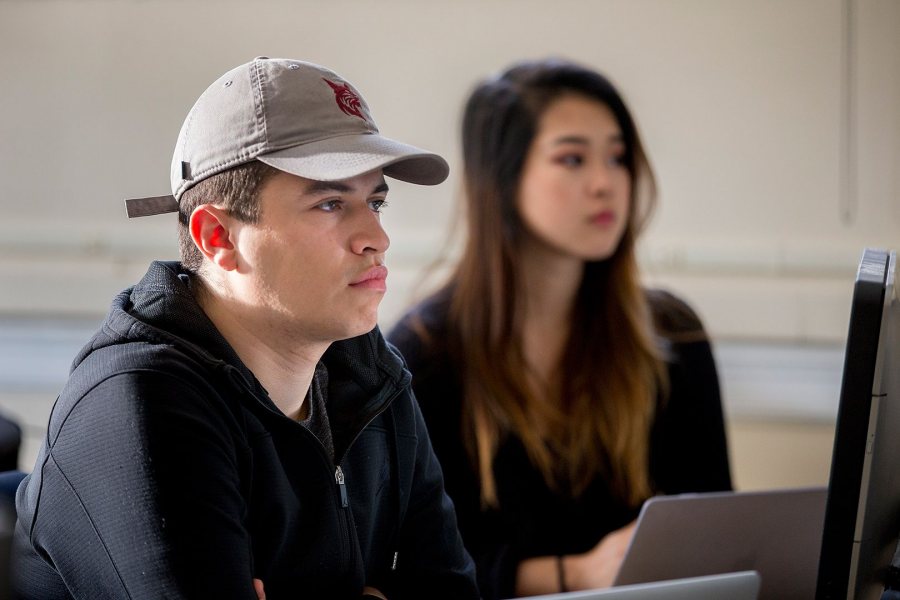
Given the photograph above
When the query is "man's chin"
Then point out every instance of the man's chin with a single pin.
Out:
(362, 327)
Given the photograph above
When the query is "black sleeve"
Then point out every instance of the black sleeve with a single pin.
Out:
(431, 558)
(689, 450)
(10, 441)
(437, 388)
(139, 494)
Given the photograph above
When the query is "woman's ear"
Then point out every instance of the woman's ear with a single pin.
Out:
(211, 230)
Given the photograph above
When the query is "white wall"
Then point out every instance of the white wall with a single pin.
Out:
(744, 105)
(774, 127)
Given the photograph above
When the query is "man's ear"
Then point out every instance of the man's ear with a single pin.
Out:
(211, 231)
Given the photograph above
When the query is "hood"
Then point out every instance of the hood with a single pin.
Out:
(162, 309)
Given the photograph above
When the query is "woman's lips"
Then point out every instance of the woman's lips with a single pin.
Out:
(607, 217)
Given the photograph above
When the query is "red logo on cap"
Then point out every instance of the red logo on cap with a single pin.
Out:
(346, 99)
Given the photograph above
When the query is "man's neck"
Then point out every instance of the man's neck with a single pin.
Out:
(284, 366)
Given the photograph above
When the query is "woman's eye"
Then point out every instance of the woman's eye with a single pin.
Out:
(571, 160)
(377, 205)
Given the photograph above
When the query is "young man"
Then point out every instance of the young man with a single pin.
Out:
(238, 423)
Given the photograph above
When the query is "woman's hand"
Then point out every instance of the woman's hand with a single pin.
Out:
(594, 569)
(598, 568)
(369, 592)
(258, 587)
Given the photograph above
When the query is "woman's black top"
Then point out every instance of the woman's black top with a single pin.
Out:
(688, 450)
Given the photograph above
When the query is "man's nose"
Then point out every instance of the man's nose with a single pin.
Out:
(370, 237)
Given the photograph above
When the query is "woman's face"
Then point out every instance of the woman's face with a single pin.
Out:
(574, 193)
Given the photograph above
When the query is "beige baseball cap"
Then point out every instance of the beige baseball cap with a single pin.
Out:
(296, 116)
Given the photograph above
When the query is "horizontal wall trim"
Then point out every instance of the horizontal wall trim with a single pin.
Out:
(771, 300)
(28, 242)
(759, 380)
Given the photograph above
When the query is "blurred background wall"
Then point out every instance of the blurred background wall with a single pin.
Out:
(773, 126)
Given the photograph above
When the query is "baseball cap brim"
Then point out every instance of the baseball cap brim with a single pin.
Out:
(333, 159)
(346, 156)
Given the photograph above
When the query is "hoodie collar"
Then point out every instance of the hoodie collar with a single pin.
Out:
(162, 309)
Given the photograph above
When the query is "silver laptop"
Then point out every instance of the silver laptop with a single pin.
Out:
(776, 533)
(730, 586)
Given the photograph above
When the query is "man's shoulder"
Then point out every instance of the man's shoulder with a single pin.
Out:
(136, 388)
(139, 356)
(122, 371)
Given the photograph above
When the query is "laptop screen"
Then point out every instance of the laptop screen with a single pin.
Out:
(774, 532)
(730, 586)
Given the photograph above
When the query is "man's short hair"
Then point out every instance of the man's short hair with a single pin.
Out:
(236, 190)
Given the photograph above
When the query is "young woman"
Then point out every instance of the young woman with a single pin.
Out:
(559, 393)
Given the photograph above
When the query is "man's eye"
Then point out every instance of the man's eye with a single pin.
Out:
(329, 205)
(377, 205)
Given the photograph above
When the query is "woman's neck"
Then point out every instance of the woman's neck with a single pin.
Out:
(551, 282)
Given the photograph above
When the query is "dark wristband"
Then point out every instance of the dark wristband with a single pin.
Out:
(561, 574)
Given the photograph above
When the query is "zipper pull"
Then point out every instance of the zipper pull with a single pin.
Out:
(339, 478)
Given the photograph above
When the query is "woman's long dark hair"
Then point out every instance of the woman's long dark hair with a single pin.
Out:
(603, 394)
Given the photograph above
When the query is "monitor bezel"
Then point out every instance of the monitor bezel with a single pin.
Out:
(846, 499)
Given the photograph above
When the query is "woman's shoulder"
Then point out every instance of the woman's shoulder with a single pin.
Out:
(422, 338)
(674, 318)
(423, 328)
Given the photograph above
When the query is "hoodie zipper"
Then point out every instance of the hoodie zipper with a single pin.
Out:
(339, 478)
(338, 472)
(346, 523)
(340, 481)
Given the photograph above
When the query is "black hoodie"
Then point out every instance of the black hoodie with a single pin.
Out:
(167, 472)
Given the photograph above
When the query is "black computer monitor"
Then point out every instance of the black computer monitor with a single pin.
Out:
(862, 512)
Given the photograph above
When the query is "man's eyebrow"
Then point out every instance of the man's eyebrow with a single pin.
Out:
(317, 187)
